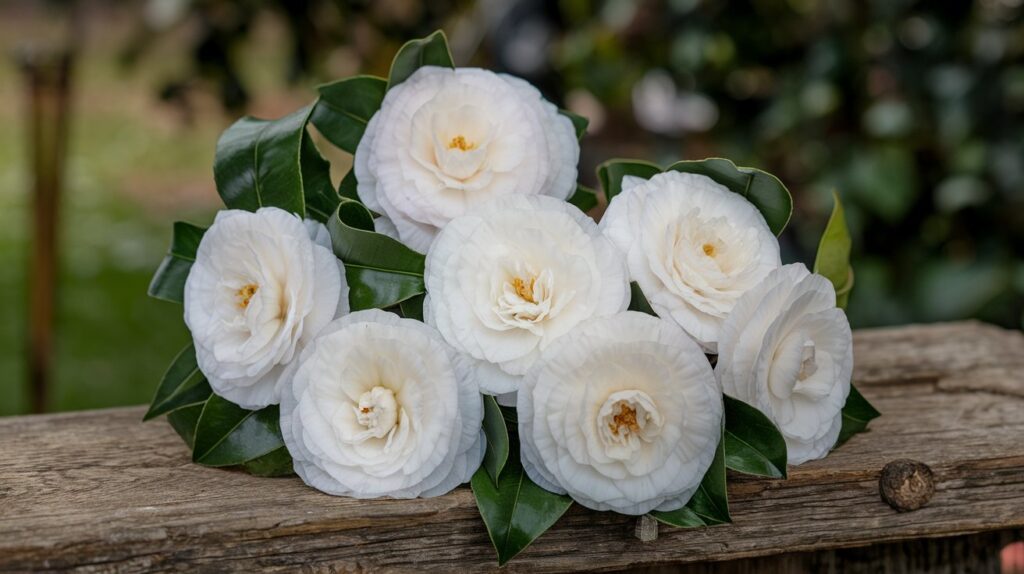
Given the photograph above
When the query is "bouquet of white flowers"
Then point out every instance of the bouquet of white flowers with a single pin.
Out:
(450, 313)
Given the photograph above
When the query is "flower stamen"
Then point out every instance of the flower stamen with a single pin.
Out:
(709, 249)
(245, 294)
(460, 143)
(524, 289)
(626, 417)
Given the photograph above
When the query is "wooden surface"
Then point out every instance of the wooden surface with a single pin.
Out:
(101, 491)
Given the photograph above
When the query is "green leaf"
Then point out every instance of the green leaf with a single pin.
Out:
(710, 503)
(257, 163)
(412, 308)
(348, 188)
(320, 196)
(584, 198)
(857, 413)
(516, 511)
(381, 272)
(168, 282)
(228, 435)
(579, 123)
(611, 172)
(184, 420)
(497, 439)
(277, 462)
(638, 301)
(753, 444)
(833, 259)
(181, 386)
(762, 189)
(345, 107)
(430, 51)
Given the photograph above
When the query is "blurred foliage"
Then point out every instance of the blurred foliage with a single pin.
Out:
(912, 110)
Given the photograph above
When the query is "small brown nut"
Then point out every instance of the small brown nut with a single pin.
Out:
(906, 484)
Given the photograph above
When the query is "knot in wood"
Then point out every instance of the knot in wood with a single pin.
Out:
(906, 484)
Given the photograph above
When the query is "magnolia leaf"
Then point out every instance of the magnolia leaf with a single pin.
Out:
(345, 107)
(579, 123)
(321, 197)
(381, 272)
(833, 259)
(753, 444)
(228, 435)
(169, 280)
(258, 164)
(611, 172)
(181, 386)
(277, 462)
(497, 439)
(857, 413)
(430, 51)
(349, 187)
(760, 188)
(184, 420)
(710, 503)
(412, 308)
(515, 510)
(637, 300)
(584, 198)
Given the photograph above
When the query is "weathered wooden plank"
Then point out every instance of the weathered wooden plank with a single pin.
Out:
(99, 490)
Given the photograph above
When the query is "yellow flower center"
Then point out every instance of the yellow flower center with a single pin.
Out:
(524, 289)
(461, 143)
(245, 294)
(709, 250)
(626, 417)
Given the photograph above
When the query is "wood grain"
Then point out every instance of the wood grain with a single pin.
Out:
(100, 491)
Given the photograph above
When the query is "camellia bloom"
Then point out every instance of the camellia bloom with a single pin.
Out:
(623, 413)
(445, 140)
(511, 276)
(788, 351)
(262, 285)
(381, 406)
(693, 247)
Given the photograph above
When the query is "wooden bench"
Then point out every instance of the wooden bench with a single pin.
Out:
(100, 491)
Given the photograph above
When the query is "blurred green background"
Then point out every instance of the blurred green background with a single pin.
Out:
(914, 111)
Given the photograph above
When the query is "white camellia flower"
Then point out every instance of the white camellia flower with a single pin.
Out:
(445, 140)
(263, 285)
(380, 406)
(788, 351)
(513, 275)
(623, 413)
(693, 247)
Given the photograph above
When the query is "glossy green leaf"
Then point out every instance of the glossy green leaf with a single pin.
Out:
(638, 301)
(184, 420)
(228, 435)
(584, 198)
(345, 107)
(497, 439)
(760, 188)
(257, 163)
(412, 308)
(182, 385)
(857, 413)
(579, 123)
(168, 282)
(516, 511)
(349, 186)
(833, 259)
(277, 462)
(710, 503)
(430, 51)
(753, 444)
(381, 271)
(611, 172)
(320, 196)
